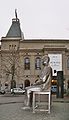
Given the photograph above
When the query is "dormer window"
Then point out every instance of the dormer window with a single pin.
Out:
(9, 47)
(12, 47)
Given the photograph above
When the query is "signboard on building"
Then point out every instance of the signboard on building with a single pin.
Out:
(56, 63)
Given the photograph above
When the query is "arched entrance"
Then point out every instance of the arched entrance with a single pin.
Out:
(27, 83)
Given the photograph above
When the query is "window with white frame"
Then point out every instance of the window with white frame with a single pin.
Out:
(38, 63)
(26, 63)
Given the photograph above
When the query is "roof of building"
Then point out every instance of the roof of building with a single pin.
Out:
(15, 30)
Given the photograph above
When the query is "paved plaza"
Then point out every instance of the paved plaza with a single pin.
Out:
(11, 109)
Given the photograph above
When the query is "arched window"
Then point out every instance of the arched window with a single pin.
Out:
(38, 63)
(68, 63)
(26, 83)
(26, 63)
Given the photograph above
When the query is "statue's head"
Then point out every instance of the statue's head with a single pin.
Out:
(45, 60)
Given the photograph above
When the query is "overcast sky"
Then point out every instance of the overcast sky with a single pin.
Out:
(38, 18)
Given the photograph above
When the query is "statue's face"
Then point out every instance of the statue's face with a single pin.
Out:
(46, 61)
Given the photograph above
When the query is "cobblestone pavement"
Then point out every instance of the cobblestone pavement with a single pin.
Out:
(13, 110)
(7, 99)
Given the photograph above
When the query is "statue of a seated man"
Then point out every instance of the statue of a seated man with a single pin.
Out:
(43, 83)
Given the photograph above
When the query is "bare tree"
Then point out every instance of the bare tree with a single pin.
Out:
(10, 64)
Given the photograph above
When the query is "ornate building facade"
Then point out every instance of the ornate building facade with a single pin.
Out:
(20, 59)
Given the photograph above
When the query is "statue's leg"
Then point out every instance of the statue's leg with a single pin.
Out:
(28, 98)
(25, 98)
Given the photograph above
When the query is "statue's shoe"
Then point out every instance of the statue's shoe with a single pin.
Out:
(26, 108)
(36, 106)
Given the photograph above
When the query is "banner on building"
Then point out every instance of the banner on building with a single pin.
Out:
(56, 63)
